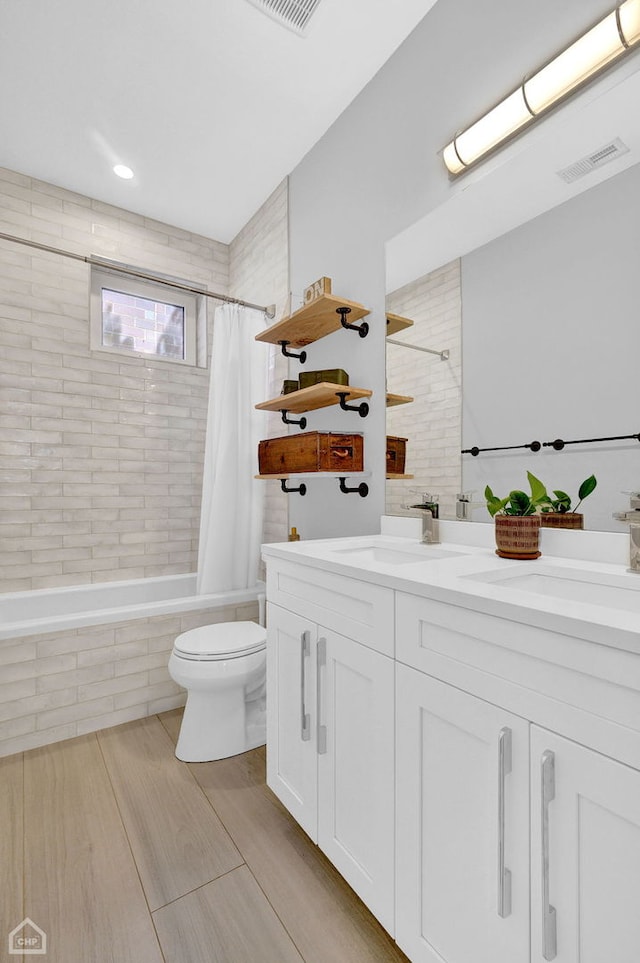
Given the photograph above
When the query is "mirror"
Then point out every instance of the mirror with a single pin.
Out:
(541, 325)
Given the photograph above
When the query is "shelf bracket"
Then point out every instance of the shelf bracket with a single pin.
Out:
(302, 357)
(362, 489)
(293, 421)
(362, 408)
(301, 489)
(362, 329)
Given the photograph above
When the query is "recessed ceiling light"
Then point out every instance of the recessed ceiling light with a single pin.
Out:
(123, 171)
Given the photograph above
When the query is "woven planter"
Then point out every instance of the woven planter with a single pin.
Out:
(562, 520)
(517, 536)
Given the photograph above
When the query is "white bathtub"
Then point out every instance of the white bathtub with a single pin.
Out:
(24, 614)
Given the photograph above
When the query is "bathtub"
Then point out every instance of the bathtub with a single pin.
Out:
(24, 614)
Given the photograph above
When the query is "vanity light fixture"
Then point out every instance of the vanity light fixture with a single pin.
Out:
(123, 171)
(599, 47)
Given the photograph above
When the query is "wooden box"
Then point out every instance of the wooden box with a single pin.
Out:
(311, 451)
(396, 455)
(289, 385)
(333, 376)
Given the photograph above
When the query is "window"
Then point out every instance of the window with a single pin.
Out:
(139, 318)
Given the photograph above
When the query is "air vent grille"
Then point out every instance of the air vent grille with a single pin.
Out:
(592, 162)
(294, 14)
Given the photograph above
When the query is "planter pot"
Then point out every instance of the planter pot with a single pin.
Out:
(562, 520)
(517, 536)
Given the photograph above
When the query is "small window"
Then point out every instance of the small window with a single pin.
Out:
(143, 319)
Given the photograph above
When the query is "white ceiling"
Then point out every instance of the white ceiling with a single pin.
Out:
(210, 102)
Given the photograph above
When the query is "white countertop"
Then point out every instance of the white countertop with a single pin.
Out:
(464, 570)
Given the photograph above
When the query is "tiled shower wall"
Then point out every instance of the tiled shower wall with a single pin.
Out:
(259, 271)
(101, 455)
(432, 422)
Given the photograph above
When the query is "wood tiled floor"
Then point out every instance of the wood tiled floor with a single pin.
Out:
(123, 854)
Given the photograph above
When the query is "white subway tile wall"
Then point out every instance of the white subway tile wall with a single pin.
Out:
(259, 270)
(432, 423)
(100, 455)
(63, 684)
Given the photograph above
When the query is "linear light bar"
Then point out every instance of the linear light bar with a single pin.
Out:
(596, 49)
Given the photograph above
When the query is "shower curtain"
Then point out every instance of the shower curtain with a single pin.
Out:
(232, 499)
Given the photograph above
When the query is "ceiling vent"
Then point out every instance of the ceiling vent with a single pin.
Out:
(294, 14)
(611, 151)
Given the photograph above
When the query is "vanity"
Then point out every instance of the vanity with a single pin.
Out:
(460, 734)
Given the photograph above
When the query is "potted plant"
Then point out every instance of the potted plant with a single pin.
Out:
(517, 520)
(557, 512)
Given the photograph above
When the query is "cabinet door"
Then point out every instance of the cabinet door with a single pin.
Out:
(462, 826)
(291, 720)
(585, 854)
(356, 768)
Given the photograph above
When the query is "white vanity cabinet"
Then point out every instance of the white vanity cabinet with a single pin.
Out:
(553, 824)
(330, 721)
(462, 826)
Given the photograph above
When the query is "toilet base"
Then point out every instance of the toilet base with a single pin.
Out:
(218, 728)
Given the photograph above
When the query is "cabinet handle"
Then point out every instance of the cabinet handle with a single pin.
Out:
(504, 874)
(548, 782)
(321, 661)
(305, 720)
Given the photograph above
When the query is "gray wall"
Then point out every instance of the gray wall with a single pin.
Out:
(550, 321)
(376, 171)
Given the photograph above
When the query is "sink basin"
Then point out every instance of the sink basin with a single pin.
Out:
(394, 556)
(574, 585)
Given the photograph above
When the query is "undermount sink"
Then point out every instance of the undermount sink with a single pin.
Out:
(574, 585)
(394, 556)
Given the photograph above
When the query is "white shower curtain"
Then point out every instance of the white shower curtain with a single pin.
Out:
(232, 499)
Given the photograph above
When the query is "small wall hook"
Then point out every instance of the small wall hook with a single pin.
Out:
(301, 489)
(302, 357)
(362, 489)
(362, 408)
(362, 329)
(293, 421)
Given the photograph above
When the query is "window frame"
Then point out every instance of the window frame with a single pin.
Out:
(114, 280)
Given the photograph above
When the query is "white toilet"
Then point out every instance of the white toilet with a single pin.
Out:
(223, 669)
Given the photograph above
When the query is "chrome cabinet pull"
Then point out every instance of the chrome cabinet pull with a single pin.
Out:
(504, 874)
(548, 781)
(305, 719)
(321, 661)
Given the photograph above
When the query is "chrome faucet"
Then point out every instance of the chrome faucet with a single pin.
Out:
(430, 511)
(633, 517)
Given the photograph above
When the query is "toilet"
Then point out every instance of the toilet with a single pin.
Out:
(223, 669)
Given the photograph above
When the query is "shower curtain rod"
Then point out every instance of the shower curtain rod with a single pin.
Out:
(443, 355)
(269, 310)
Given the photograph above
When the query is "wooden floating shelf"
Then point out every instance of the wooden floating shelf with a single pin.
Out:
(321, 395)
(396, 323)
(314, 474)
(395, 475)
(398, 399)
(312, 321)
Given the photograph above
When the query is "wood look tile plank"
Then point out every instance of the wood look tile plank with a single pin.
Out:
(320, 911)
(226, 921)
(11, 840)
(177, 840)
(81, 883)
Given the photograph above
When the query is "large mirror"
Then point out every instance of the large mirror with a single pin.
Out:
(528, 278)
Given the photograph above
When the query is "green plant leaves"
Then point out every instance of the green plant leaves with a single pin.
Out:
(587, 487)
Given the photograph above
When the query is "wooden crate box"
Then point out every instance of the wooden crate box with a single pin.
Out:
(311, 451)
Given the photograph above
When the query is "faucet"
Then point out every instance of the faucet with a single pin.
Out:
(430, 511)
(633, 517)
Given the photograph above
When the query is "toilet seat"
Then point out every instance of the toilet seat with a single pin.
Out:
(225, 640)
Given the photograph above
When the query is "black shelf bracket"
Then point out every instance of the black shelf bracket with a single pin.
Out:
(362, 408)
(362, 489)
(301, 489)
(302, 357)
(293, 421)
(362, 329)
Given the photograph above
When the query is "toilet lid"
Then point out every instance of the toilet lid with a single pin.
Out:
(224, 640)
